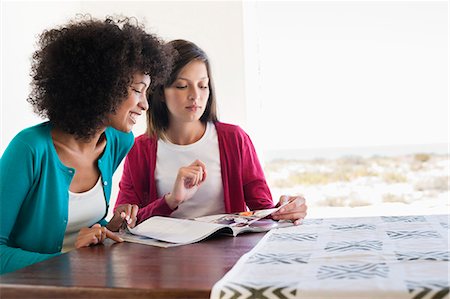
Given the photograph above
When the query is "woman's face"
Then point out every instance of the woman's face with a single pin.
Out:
(133, 106)
(187, 97)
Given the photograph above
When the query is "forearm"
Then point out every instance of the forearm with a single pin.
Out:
(12, 259)
(158, 207)
(258, 196)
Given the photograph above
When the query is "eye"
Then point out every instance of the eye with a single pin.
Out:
(204, 87)
(137, 91)
(181, 86)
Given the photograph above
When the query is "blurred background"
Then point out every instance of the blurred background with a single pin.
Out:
(346, 101)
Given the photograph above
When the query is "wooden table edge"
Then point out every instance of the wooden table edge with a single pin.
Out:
(34, 291)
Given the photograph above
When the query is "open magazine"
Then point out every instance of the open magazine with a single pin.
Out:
(168, 232)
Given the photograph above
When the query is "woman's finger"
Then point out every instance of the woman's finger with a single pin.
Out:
(290, 216)
(295, 203)
(103, 234)
(133, 217)
(283, 199)
(87, 241)
(298, 221)
(199, 176)
(201, 167)
(198, 163)
(195, 170)
(295, 210)
(86, 237)
(190, 177)
(113, 236)
(292, 207)
(128, 212)
(199, 171)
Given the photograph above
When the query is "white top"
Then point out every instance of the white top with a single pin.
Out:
(208, 199)
(85, 209)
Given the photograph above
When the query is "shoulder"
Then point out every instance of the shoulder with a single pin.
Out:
(119, 139)
(144, 143)
(144, 147)
(144, 140)
(229, 131)
(35, 137)
(30, 144)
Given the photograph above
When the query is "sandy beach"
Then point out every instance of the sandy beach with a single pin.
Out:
(355, 186)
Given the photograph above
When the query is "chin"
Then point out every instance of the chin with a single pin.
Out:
(125, 128)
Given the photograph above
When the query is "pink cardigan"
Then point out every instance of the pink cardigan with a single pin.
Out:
(243, 179)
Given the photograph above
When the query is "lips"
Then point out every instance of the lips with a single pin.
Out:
(134, 116)
(193, 108)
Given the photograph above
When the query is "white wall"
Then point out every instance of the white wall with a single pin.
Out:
(21, 23)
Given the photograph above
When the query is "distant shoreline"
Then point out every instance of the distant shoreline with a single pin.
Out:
(339, 152)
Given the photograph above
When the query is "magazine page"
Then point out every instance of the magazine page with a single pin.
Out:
(174, 230)
(240, 224)
(262, 225)
(237, 219)
(127, 236)
(249, 221)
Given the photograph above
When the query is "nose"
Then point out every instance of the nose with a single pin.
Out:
(143, 103)
(194, 94)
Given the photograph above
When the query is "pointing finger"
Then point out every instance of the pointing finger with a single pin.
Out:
(113, 236)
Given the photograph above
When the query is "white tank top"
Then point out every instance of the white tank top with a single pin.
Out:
(85, 209)
(208, 200)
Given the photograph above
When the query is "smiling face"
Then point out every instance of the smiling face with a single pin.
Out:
(187, 97)
(133, 106)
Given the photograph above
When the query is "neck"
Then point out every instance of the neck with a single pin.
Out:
(75, 144)
(185, 133)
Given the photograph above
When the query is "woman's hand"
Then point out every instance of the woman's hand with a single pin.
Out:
(295, 210)
(94, 235)
(124, 215)
(188, 180)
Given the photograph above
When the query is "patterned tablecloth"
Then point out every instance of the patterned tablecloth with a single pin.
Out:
(367, 257)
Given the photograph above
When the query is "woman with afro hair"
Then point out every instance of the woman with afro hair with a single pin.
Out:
(90, 78)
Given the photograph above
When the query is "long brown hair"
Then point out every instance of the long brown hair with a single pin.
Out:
(158, 115)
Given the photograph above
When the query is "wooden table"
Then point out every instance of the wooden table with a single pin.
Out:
(127, 270)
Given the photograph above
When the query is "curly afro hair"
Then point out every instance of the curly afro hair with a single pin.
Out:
(81, 71)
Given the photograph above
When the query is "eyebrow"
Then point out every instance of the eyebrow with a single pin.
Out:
(203, 78)
(139, 83)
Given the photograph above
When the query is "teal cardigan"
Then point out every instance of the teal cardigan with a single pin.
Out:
(34, 196)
